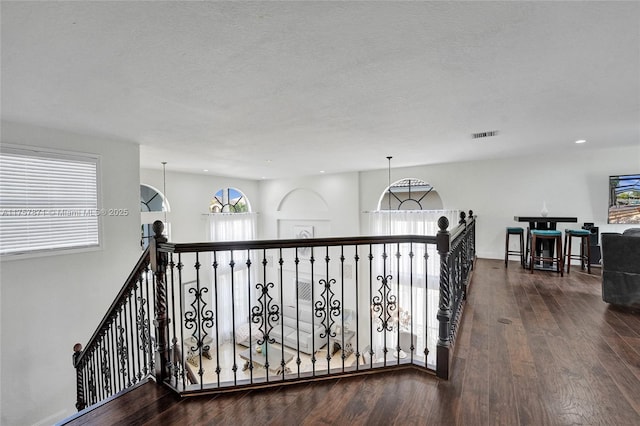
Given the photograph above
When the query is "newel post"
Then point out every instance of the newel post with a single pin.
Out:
(472, 240)
(81, 400)
(444, 311)
(158, 262)
(464, 262)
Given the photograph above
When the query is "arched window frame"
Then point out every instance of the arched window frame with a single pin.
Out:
(229, 200)
(405, 186)
(165, 203)
(148, 216)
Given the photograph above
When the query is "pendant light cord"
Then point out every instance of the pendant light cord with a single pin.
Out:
(164, 190)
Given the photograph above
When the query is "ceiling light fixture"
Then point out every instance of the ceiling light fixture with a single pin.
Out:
(580, 141)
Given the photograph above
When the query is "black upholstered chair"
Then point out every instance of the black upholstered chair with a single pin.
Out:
(621, 268)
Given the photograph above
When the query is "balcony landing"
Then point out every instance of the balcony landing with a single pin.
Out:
(532, 349)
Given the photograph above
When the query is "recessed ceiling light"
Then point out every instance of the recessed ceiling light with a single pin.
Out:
(205, 170)
(321, 171)
(580, 141)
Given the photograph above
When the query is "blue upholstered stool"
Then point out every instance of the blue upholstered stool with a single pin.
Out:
(507, 251)
(554, 237)
(584, 255)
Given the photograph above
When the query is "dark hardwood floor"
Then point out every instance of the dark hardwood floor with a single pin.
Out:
(533, 349)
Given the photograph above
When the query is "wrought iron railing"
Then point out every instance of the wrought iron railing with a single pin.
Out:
(120, 352)
(232, 315)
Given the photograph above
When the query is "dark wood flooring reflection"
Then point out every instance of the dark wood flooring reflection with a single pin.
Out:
(533, 349)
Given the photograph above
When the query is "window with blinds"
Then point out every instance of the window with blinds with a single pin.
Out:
(48, 201)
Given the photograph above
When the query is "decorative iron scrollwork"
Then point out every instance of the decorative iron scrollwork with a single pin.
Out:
(384, 305)
(105, 370)
(265, 313)
(121, 347)
(327, 308)
(142, 321)
(198, 319)
(91, 382)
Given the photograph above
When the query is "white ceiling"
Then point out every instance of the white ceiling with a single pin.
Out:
(281, 89)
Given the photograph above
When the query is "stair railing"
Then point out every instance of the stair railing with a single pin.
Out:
(147, 327)
(457, 256)
(120, 352)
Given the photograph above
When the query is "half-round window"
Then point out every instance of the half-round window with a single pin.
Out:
(153, 206)
(410, 194)
(229, 200)
(151, 200)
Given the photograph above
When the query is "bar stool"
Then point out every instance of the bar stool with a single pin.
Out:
(507, 252)
(554, 237)
(584, 235)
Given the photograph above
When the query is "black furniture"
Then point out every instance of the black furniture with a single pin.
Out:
(542, 223)
(594, 243)
(621, 268)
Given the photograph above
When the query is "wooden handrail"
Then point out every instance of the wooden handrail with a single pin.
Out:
(292, 243)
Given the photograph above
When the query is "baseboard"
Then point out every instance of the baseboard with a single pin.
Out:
(52, 419)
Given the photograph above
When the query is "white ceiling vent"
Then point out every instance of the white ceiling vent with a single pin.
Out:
(484, 134)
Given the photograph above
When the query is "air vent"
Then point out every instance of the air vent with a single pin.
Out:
(484, 134)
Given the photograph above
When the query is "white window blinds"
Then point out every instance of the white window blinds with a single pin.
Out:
(48, 201)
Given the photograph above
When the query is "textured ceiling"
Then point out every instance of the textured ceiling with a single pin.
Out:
(275, 89)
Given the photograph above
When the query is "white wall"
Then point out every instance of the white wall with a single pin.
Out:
(328, 200)
(284, 204)
(189, 196)
(572, 183)
(50, 303)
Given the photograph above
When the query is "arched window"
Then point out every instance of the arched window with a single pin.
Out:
(231, 219)
(153, 206)
(410, 194)
(229, 200)
(151, 200)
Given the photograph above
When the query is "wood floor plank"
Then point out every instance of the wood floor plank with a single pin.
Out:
(415, 392)
(303, 400)
(445, 407)
(502, 402)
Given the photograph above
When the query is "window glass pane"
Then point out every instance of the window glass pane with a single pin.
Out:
(151, 200)
(229, 200)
